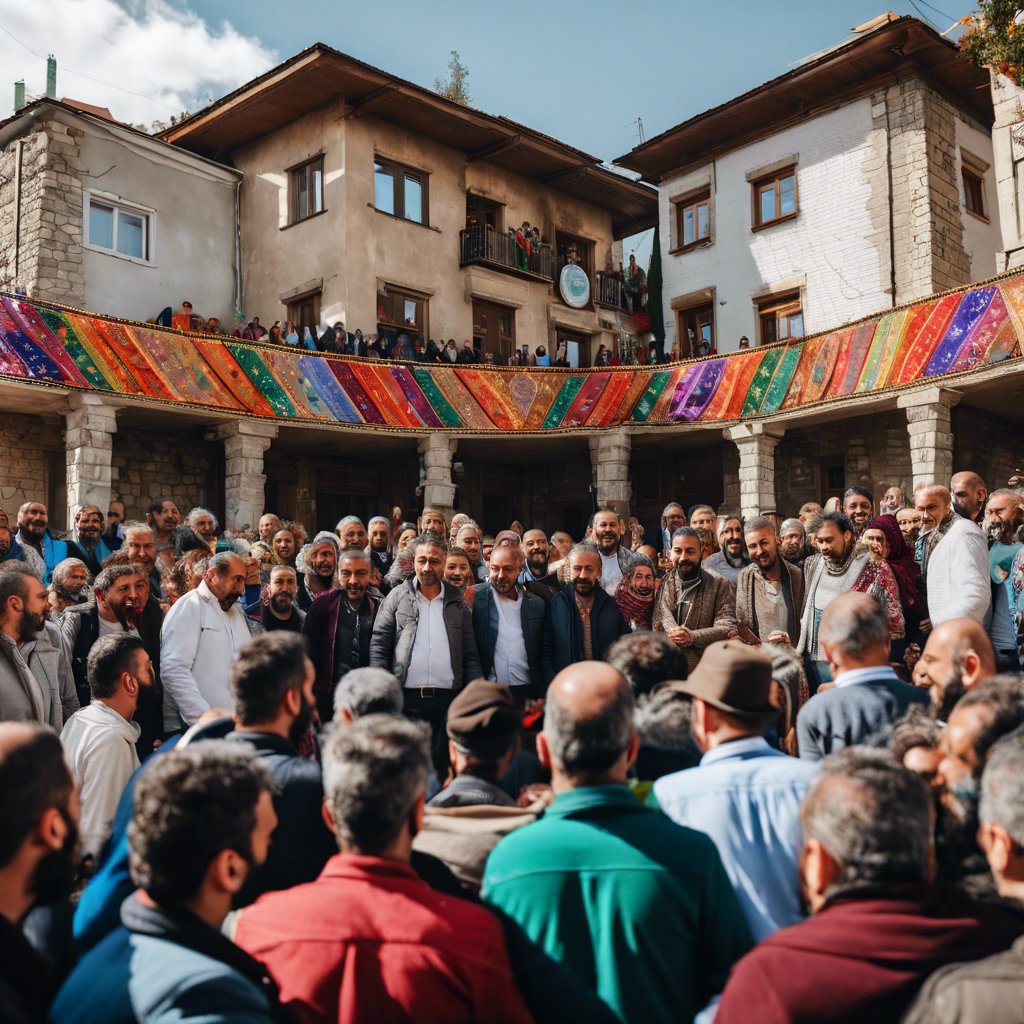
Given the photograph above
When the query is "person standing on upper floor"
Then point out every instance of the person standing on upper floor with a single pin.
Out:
(1004, 517)
(859, 507)
(605, 531)
(731, 557)
(969, 494)
(879, 926)
(100, 740)
(41, 548)
(841, 566)
(509, 625)
(88, 535)
(201, 634)
(660, 926)
(339, 627)
(423, 634)
(954, 560)
(892, 501)
(769, 591)
(694, 608)
(744, 794)
(868, 695)
(582, 620)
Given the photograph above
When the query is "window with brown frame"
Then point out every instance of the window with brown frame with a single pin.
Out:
(695, 331)
(400, 191)
(781, 318)
(306, 190)
(972, 190)
(693, 220)
(304, 310)
(400, 311)
(775, 197)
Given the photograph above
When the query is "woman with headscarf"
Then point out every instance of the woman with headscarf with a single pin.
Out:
(884, 541)
(634, 594)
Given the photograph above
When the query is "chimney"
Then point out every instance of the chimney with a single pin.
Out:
(19, 95)
(51, 77)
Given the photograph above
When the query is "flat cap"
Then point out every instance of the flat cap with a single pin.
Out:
(483, 719)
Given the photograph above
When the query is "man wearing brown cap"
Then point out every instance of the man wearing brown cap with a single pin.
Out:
(744, 794)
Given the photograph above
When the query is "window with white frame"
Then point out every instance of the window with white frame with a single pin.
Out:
(118, 228)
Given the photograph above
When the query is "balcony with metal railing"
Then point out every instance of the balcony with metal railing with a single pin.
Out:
(609, 291)
(486, 246)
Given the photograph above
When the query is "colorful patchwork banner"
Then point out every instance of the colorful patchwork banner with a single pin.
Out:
(939, 337)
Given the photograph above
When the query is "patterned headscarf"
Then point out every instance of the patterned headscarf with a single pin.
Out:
(636, 611)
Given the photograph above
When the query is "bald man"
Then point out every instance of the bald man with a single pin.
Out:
(969, 493)
(954, 559)
(957, 657)
(637, 938)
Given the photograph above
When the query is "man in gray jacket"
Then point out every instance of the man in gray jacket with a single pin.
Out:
(423, 634)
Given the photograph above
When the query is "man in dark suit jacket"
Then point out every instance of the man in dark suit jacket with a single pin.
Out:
(509, 625)
(582, 620)
(867, 696)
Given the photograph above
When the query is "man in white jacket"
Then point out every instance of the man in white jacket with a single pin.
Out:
(955, 560)
(201, 634)
(99, 740)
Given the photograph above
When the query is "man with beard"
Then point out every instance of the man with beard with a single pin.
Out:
(351, 533)
(379, 533)
(339, 625)
(140, 547)
(509, 625)
(432, 520)
(839, 567)
(22, 614)
(69, 585)
(1003, 519)
(731, 557)
(203, 523)
(163, 518)
(892, 501)
(606, 534)
(88, 537)
(201, 634)
(470, 539)
(694, 608)
(582, 620)
(956, 658)
(41, 549)
(769, 591)
(321, 560)
(272, 684)
(969, 493)
(867, 696)
(909, 522)
(635, 595)
(808, 510)
(859, 506)
(954, 560)
(100, 740)
(793, 544)
(672, 517)
(39, 811)
(279, 612)
(537, 551)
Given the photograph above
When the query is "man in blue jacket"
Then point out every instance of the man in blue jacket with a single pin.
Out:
(582, 620)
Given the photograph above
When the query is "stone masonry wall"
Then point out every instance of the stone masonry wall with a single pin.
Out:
(24, 442)
(147, 464)
(50, 256)
(987, 444)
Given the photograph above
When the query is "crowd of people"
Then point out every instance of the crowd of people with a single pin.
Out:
(713, 769)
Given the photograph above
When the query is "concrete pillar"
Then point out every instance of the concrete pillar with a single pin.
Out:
(245, 442)
(931, 434)
(438, 450)
(609, 459)
(89, 440)
(756, 444)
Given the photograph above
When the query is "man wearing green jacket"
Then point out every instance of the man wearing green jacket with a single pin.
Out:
(638, 907)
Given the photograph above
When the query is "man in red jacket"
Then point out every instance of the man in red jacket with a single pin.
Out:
(369, 941)
(879, 927)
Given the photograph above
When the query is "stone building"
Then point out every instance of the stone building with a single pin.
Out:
(860, 179)
(100, 215)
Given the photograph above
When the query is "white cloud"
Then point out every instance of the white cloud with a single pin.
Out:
(168, 57)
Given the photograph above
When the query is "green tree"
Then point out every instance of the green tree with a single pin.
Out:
(654, 287)
(454, 87)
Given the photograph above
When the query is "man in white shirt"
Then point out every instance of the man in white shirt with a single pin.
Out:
(200, 636)
(509, 625)
(606, 534)
(99, 740)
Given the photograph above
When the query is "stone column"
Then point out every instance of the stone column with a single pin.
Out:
(438, 450)
(609, 459)
(245, 441)
(756, 444)
(931, 434)
(89, 441)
